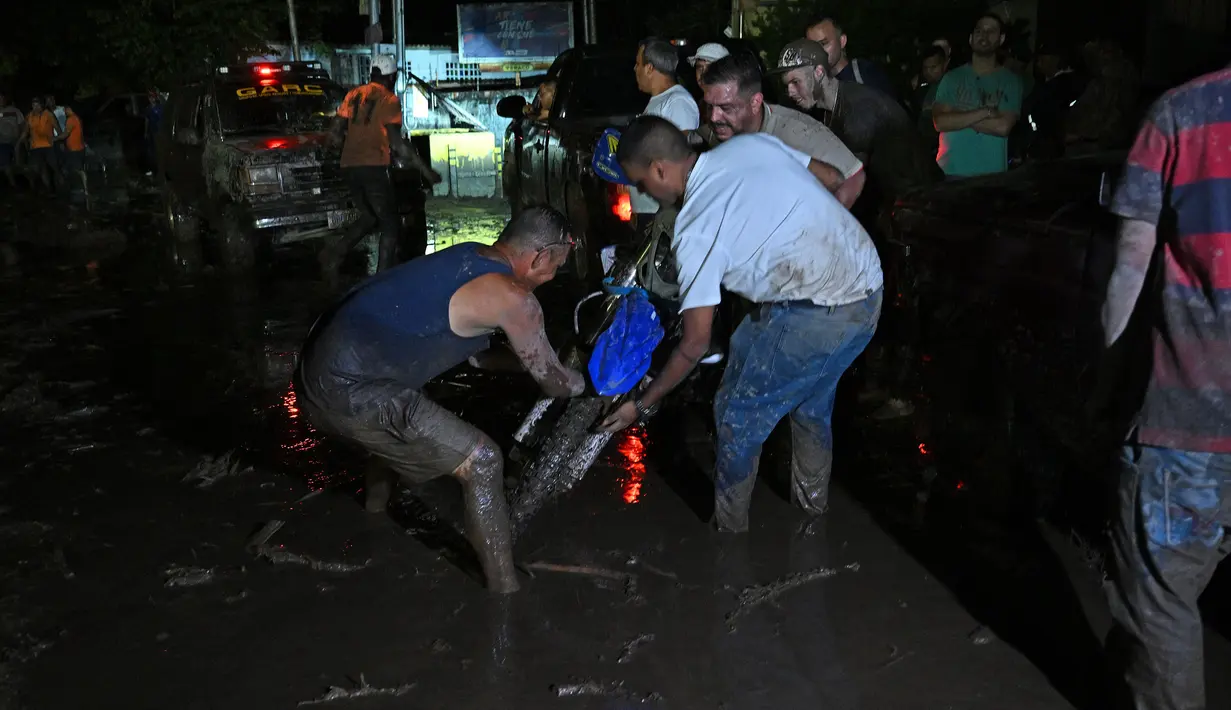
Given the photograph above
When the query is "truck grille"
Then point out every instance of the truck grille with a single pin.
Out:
(311, 178)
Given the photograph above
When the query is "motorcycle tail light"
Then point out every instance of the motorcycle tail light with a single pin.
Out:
(621, 202)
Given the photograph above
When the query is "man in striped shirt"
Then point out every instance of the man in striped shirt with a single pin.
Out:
(1175, 493)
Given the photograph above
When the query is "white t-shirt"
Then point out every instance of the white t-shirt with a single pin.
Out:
(758, 223)
(677, 106)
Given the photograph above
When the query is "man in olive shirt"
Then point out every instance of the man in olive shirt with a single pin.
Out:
(733, 92)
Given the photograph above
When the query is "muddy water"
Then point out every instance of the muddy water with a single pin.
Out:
(118, 381)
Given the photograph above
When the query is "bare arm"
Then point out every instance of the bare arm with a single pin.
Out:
(1000, 124)
(523, 324)
(847, 190)
(404, 150)
(337, 131)
(947, 119)
(851, 189)
(1133, 251)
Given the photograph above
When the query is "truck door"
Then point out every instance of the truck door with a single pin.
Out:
(187, 150)
(533, 162)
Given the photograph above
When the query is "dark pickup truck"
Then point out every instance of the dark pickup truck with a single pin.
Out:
(246, 152)
(1006, 277)
(548, 160)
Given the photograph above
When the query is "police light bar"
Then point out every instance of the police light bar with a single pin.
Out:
(267, 69)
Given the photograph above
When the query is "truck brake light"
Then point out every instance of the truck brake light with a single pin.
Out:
(621, 202)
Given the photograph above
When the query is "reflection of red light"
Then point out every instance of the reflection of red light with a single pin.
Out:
(621, 203)
(267, 82)
(275, 143)
(961, 485)
(265, 71)
(632, 448)
(923, 448)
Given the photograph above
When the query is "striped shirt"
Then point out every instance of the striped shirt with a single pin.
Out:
(1178, 177)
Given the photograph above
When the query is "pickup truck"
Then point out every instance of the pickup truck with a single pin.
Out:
(547, 159)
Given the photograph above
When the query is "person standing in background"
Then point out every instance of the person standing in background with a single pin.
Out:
(933, 64)
(40, 133)
(655, 69)
(861, 71)
(74, 147)
(153, 121)
(12, 127)
(977, 106)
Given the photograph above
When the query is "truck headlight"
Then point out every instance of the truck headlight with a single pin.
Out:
(263, 180)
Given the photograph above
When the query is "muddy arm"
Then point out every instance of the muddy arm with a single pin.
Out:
(337, 131)
(698, 327)
(847, 190)
(523, 324)
(1133, 251)
(404, 150)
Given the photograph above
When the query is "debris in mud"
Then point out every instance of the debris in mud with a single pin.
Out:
(213, 469)
(593, 688)
(236, 598)
(258, 545)
(440, 646)
(363, 691)
(579, 569)
(981, 636)
(755, 596)
(188, 576)
(82, 413)
(630, 648)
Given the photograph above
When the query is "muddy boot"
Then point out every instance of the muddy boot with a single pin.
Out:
(487, 515)
(731, 506)
(378, 487)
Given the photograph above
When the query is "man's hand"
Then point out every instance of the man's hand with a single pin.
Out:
(621, 418)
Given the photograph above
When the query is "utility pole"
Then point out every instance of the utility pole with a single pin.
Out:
(290, 10)
(377, 34)
(399, 39)
(592, 27)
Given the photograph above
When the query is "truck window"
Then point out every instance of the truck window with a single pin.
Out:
(605, 86)
(272, 106)
(186, 112)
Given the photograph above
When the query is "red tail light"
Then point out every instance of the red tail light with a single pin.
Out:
(621, 202)
(265, 71)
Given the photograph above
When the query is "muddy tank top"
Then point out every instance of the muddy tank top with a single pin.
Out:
(393, 330)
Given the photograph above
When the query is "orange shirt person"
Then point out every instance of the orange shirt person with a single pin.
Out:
(74, 142)
(40, 132)
(369, 126)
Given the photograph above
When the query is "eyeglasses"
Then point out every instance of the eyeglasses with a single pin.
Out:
(566, 240)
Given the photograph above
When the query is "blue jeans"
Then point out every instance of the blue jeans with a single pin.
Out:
(1167, 539)
(785, 358)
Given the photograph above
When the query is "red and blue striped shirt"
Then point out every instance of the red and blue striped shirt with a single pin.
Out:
(1178, 177)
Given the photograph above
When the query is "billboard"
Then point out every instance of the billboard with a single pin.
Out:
(514, 36)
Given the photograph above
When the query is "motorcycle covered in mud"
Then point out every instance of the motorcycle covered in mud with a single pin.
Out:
(557, 442)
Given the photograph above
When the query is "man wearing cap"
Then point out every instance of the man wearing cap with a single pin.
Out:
(657, 61)
(369, 124)
(707, 54)
(754, 222)
(868, 121)
(828, 33)
(733, 92)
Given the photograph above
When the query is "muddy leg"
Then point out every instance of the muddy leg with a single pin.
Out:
(487, 515)
(378, 487)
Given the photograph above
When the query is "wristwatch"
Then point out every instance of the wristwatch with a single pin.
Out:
(642, 410)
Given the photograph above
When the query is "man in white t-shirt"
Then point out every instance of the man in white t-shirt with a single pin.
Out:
(754, 220)
(656, 64)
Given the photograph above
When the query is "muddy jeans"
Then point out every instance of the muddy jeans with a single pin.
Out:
(371, 189)
(785, 359)
(1167, 540)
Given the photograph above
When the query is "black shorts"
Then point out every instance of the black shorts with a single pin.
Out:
(416, 437)
(42, 157)
(74, 161)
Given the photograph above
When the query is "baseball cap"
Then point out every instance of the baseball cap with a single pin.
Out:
(386, 64)
(800, 53)
(708, 52)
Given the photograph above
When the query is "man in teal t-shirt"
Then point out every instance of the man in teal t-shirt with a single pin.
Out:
(977, 106)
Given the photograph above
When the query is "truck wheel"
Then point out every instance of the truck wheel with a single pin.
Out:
(184, 228)
(237, 241)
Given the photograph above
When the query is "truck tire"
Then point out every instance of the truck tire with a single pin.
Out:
(236, 241)
(184, 228)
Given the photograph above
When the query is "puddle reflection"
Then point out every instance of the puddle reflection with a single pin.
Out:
(630, 459)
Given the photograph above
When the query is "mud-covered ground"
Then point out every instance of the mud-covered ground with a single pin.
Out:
(173, 534)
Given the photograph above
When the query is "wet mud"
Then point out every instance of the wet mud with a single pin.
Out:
(167, 514)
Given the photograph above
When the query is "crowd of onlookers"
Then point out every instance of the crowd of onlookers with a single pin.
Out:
(45, 149)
